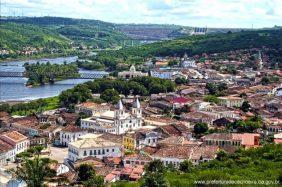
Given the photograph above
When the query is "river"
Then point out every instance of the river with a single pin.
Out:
(14, 89)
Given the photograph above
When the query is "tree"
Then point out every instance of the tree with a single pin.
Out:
(155, 166)
(211, 99)
(173, 62)
(186, 166)
(96, 181)
(212, 88)
(200, 128)
(110, 95)
(85, 172)
(180, 81)
(154, 179)
(265, 80)
(35, 172)
(245, 106)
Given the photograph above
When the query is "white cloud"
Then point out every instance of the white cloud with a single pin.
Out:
(213, 13)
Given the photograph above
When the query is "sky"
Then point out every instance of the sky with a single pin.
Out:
(197, 13)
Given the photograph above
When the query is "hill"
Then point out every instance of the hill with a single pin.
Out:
(211, 43)
(94, 33)
(153, 32)
(25, 38)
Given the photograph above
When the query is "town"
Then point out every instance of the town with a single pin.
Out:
(184, 112)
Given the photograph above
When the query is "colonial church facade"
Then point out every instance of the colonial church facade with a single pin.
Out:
(116, 122)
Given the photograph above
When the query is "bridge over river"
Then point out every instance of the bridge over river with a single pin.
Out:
(83, 74)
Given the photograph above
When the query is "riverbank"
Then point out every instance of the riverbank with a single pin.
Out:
(42, 56)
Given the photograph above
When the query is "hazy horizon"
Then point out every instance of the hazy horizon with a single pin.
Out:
(194, 13)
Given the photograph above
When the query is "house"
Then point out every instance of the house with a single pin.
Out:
(187, 63)
(131, 73)
(139, 139)
(136, 159)
(173, 130)
(245, 140)
(178, 141)
(178, 102)
(17, 140)
(132, 173)
(93, 145)
(278, 138)
(231, 101)
(175, 155)
(91, 108)
(70, 134)
(59, 168)
(115, 122)
(7, 152)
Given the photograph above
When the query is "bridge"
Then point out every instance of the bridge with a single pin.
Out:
(83, 75)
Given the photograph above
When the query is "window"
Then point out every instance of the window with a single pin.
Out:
(99, 152)
(90, 152)
(85, 153)
(103, 151)
(95, 152)
(113, 150)
(107, 150)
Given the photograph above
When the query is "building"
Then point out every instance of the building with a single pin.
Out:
(187, 63)
(177, 154)
(17, 140)
(91, 108)
(245, 140)
(115, 122)
(93, 145)
(132, 73)
(167, 74)
(199, 31)
(70, 134)
(140, 139)
(7, 152)
(231, 101)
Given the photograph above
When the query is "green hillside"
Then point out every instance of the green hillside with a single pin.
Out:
(211, 43)
(93, 33)
(17, 36)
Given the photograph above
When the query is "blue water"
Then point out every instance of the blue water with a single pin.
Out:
(14, 89)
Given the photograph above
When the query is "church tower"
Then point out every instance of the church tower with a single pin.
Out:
(119, 110)
(136, 109)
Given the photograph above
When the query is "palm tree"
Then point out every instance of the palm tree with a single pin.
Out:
(35, 171)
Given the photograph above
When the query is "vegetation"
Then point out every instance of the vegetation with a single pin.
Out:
(87, 176)
(245, 106)
(35, 106)
(216, 89)
(34, 172)
(39, 74)
(248, 125)
(211, 99)
(137, 86)
(17, 38)
(200, 128)
(255, 164)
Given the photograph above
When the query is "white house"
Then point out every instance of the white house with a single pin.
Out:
(17, 140)
(70, 134)
(177, 154)
(60, 168)
(188, 63)
(117, 121)
(93, 145)
(7, 152)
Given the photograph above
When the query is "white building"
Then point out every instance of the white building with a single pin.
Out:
(93, 145)
(167, 74)
(70, 134)
(7, 152)
(188, 63)
(117, 121)
(91, 108)
(60, 168)
(17, 140)
(132, 73)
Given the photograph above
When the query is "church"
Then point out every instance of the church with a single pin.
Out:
(132, 73)
(116, 121)
(187, 63)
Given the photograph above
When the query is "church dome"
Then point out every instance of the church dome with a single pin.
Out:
(132, 68)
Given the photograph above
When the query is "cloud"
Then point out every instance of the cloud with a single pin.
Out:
(213, 13)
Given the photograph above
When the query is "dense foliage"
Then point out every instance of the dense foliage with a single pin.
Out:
(256, 164)
(137, 86)
(94, 33)
(22, 37)
(35, 171)
(35, 106)
(39, 74)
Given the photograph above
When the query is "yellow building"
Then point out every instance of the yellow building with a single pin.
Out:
(129, 141)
